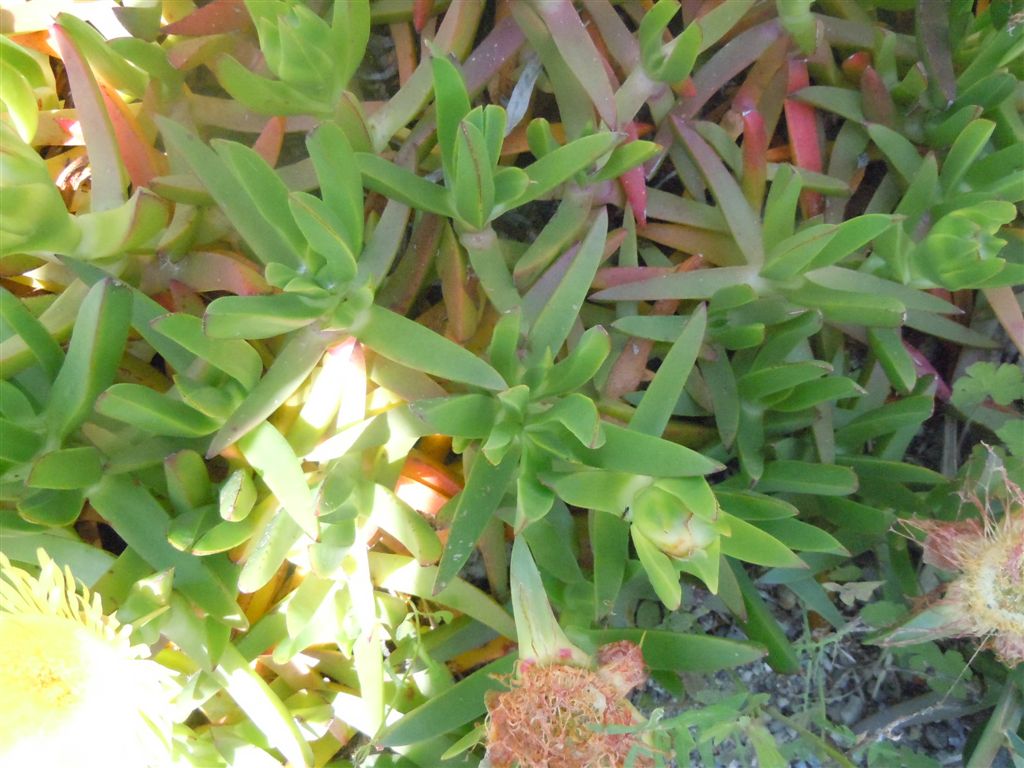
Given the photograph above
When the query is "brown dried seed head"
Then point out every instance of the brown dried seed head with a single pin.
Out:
(551, 716)
(988, 552)
(622, 665)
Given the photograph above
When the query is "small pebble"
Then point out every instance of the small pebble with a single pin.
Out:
(852, 710)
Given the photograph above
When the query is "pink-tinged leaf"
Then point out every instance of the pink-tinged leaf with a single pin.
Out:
(728, 62)
(630, 369)
(634, 184)
(878, 104)
(743, 223)
(430, 475)
(228, 113)
(494, 52)
(718, 247)
(204, 271)
(190, 52)
(58, 128)
(405, 51)
(764, 86)
(924, 367)
(755, 164)
(268, 143)
(141, 159)
(580, 53)
(609, 277)
(213, 18)
(404, 285)
(853, 66)
(418, 495)
(421, 10)
(1007, 309)
(108, 185)
(497, 49)
(934, 43)
(804, 142)
(179, 298)
(612, 243)
(185, 300)
(463, 312)
(618, 39)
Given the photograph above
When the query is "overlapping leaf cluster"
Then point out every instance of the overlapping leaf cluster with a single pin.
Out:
(279, 360)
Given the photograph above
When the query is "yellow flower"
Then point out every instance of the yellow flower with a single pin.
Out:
(76, 692)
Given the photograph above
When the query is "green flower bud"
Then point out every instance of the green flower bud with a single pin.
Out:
(662, 518)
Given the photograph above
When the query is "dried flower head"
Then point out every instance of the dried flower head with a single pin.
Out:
(75, 690)
(987, 599)
(552, 715)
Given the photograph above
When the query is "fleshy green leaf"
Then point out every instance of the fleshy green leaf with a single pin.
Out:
(261, 184)
(97, 344)
(290, 368)
(268, 97)
(153, 412)
(133, 512)
(679, 651)
(655, 409)
(416, 346)
(484, 491)
(628, 451)
(579, 366)
(907, 412)
(55, 507)
(561, 164)
(761, 626)
(802, 536)
(269, 454)
(19, 99)
(266, 240)
(32, 332)
(788, 476)
(261, 317)
(452, 105)
(626, 157)
(887, 344)
(540, 637)
(325, 234)
(551, 326)
(604, 490)
(234, 357)
(660, 570)
(738, 215)
(342, 190)
(751, 544)
(609, 541)
(454, 707)
(268, 713)
(472, 183)
(399, 184)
